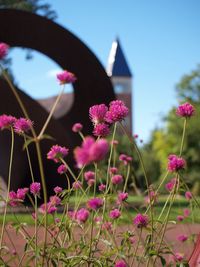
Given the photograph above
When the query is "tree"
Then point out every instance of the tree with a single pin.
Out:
(167, 140)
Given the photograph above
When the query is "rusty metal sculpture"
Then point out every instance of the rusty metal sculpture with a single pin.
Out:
(24, 29)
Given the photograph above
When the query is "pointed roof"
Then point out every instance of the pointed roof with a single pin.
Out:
(117, 64)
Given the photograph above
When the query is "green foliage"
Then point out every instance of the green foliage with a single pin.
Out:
(167, 140)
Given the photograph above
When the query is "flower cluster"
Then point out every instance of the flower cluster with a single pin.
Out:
(57, 152)
(102, 116)
(20, 126)
(175, 163)
(66, 77)
(185, 110)
(141, 220)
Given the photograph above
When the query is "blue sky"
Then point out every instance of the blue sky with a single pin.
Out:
(160, 39)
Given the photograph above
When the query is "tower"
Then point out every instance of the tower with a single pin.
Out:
(121, 77)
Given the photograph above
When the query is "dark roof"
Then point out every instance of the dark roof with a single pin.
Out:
(120, 66)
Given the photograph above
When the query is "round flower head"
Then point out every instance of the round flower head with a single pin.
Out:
(180, 218)
(76, 185)
(185, 110)
(107, 226)
(89, 175)
(114, 214)
(13, 201)
(126, 159)
(22, 125)
(91, 182)
(77, 127)
(3, 50)
(82, 215)
(113, 170)
(57, 152)
(141, 220)
(57, 189)
(6, 121)
(97, 113)
(169, 186)
(188, 195)
(175, 163)
(21, 193)
(122, 196)
(117, 179)
(102, 187)
(120, 263)
(182, 238)
(66, 77)
(186, 212)
(95, 203)
(117, 111)
(99, 150)
(178, 256)
(101, 129)
(90, 151)
(55, 200)
(35, 188)
(62, 169)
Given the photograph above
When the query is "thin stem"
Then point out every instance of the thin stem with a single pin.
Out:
(29, 160)
(183, 136)
(9, 181)
(51, 113)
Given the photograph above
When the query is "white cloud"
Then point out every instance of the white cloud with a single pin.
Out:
(52, 73)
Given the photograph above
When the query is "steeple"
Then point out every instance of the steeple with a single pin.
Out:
(117, 64)
(121, 77)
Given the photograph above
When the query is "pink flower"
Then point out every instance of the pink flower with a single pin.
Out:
(47, 208)
(97, 113)
(114, 214)
(72, 214)
(180, 218)
(117, 111)
(186, 212)
(76, 185)
(62, 169)
(188, 195)
(122, 196)
(99, 150)
(6, 121)
(35, 188)
(77, 127)
(132, 240)
(13, 201)
(101, 129)
(22, 125)
(114, 142)
(120, 263)
(135, 136)
(3, 50)
(89, 175)
(57, 220)
(185, 110)
(21, 193)
(169, 186)
(141, 220)
(182, 238)
(95, 203)
(57, 152)
(90, 151)
(66, 77)
(117, 179)
(175, 163)
(57, 189)
(178, 256)
(126, 159)
(54, 201)
(91, 182)
(82, 215)
(102, 187)
(113, 170)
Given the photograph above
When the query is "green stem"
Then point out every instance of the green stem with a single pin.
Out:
(29, 160)
(51, 113)
(183, 136)
(9, 182)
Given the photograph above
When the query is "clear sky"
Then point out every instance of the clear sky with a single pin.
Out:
(160, 39)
